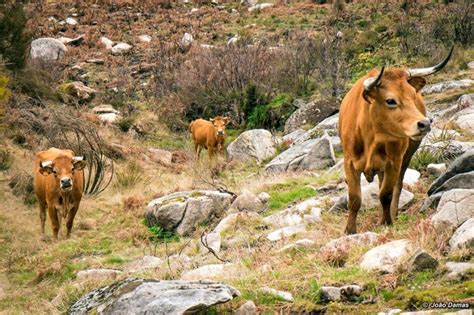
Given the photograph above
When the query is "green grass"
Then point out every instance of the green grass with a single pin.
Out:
(130, 177)
(281, 199)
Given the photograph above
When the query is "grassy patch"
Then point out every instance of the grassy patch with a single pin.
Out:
(281, 198)
(130, 177)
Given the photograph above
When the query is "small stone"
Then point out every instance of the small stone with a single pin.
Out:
(287, 296)
(71, 21)
(96, 61)
(264, 197)
(248, 308)
(144, 38)
(420, 261)
(108, 44)
(459, 270)
(436, 169)
(330, 293)
(98, 274)
(286, 232)
(212, 240)
(211, 272)
(463, 237)
(121, 48)
(146, 263)
(298, 244)
(388, 257)
(187, 40)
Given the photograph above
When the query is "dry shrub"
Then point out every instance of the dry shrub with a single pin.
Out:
(335, 257)
(132, 203)
(426, 236)
(21, 184)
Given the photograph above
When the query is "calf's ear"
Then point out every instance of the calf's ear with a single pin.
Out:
(417, 82)
(79, 163)
(46, 167)
(227, 120)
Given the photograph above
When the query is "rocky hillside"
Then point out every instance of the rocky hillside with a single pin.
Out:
(259, 230)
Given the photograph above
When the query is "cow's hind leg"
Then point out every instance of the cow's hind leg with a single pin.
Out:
(42, 219)
(353, 183)
(53, 217)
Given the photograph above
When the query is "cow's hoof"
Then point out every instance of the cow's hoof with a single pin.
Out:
(350, 230)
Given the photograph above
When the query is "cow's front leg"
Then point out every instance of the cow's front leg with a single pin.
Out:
(390, 179)
(70, 219)
(53, 217)
(353, 183)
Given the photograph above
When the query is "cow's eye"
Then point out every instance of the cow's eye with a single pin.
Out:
(391, 102)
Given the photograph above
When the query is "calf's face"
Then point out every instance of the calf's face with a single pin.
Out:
(394, 109)
(63, 169)
(219, 124)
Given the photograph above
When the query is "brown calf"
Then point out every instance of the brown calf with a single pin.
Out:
(58, 183)
(209, 134)
(381, 123)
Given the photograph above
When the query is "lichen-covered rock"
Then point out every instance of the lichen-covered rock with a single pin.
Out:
(310, 155)
(47, 49)
(286, 232)
(421, 260)
(78, 90)
(311, 113)
(248, 308)
(181, 212)
(464, 236)
(462, 164)
(252, 145)
(459, 270)
(388, 257)
(210, 241)
(454, 208)
(147, 296)
(346, 242)
(447, 85)
(248, 202)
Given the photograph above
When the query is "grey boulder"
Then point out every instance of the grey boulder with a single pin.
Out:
(181, 212)
(252, 145)
(463, 164)
(311, 113)
(147, 296)
(454, 208)
(47, 49)
(310, 155)
(464, 236)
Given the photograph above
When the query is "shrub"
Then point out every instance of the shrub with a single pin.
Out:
(21, 185)
(6, 160)
(14, 39)
(159, 234)
(130, 177)
(272, 115)
(125, 123)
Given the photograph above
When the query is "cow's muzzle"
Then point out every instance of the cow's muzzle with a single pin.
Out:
(65, 184)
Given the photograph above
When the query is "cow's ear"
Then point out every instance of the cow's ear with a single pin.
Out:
(226, 120)
(46, 167)
(79, 163)
(369, 96)
(417, 82)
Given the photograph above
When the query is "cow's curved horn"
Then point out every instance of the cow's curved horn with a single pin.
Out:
(46, 163)
(78, 158)
(420, 72)
(372, 82)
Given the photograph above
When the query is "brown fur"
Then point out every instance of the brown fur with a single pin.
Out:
(50, 195)
(377, 139)
(206, 134)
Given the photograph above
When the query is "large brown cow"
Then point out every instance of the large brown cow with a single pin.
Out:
(59, 181)
(209, 134)
(381, 123)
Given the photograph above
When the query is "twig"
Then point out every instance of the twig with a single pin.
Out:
(204, 243)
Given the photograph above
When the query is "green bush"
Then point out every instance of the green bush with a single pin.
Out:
(159, 234)
(125, 123)
(14, 39)
(272, 115)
